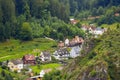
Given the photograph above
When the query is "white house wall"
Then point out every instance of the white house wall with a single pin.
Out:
(75, 51)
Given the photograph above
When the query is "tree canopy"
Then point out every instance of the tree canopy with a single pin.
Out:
(52, 13)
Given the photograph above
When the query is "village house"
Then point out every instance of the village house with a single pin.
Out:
(61, 44)
(73, 21)
(38, 77)
(67, 42)
(76, 46)
(29, 59)
(85, 27)
(45, 56)
(90, 28)
(76, 41)
(93, 30)
(15, 65)
(75, 51)
(61, 54)
(98, 31)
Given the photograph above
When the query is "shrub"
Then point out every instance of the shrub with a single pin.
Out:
(93, 73)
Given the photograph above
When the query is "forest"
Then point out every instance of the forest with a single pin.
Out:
(28, 19)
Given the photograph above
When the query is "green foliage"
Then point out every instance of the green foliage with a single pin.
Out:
(53, 14)
(26, 10)
(1, 13)
(93, 73)
(2, 32)
(25, 47)
(37, 30)
(39, 67)
(100, 11)
(38, 13)
(4, 75)
(108, 18)
(54, 60)
(8, 77)
(79, 25)
(83, 14)
(59, 9)
(26, 32)
(8, 10)
(54, 75)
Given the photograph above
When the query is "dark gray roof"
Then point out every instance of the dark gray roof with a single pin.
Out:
(46, 54)
(62, 51)
(99, 28)
(18, 61)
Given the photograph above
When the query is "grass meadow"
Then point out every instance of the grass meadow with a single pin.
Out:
(14, 49)
(51, 66)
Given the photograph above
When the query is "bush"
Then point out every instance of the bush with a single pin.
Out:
(54, 75)
(11, 50)
(26, 32)
(54, 60)
(4, 67)
(92, 54)
(93, 73)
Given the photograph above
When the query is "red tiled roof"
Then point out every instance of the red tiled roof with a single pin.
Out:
(76, 41)
(29, 57)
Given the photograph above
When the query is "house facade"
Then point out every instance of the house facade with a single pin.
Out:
(38, 77)
(98, 31)
(73, 21)
(75, 51)
(67, 42)
(45, 56)
(15, 65)
(29, 59)
(94, 30)
(61, 54)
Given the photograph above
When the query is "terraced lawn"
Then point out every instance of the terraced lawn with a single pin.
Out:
(50, 66)
(13, 49)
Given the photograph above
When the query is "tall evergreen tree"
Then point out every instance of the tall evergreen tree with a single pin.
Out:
(2, 32)
(8, 9)
(1, 14)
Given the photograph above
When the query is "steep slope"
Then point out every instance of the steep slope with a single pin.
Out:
(102, 63)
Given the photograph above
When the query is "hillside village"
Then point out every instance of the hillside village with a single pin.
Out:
(59, 39)
(69, 48)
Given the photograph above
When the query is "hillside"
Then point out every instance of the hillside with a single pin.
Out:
(32, 26)
(101, 63)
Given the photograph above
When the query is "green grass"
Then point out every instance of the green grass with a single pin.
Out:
(17, 76)
(112, 26)
(38, 68)
(13, 49)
